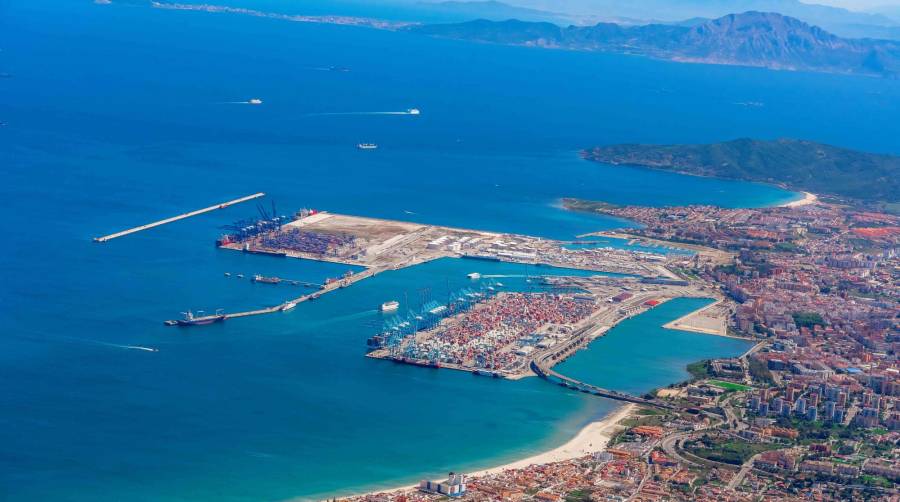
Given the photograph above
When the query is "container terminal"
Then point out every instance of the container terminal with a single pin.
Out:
(480, 329)
(378, 245)
(390, 244)
(488, 331)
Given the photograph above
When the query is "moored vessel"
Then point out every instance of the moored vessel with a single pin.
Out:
(266, 280)
(191, 320)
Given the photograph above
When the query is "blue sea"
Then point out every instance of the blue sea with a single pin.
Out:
(117, 115)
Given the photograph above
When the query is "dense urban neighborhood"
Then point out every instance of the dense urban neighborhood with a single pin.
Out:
(810, 412)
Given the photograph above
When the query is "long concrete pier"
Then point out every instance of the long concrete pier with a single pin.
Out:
(327, 288)
(176, 218)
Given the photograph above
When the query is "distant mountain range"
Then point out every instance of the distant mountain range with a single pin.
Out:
(843, 22)
(798, 164)
(749, 39)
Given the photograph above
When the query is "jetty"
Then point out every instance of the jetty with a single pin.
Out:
(223, 205)
(331, 286)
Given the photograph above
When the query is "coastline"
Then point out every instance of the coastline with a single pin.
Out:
(592, 438)
(808, 198)
(684, 323)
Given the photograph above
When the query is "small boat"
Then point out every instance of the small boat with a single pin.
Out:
(240, 276)
(366, 146)
(288, 306)
(390, 306)
(413, 111)
(254, 101)
(227, 274)
(474, 275)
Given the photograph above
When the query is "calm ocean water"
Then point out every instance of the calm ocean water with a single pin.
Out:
(116, 116)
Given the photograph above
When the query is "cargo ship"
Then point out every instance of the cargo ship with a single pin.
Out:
(376, 342)
(417, 362)
(191, 320)
(390, 306)
(367, 146)
(266, 280)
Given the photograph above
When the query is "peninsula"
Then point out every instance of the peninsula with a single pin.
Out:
(796, 164)
(762, 39)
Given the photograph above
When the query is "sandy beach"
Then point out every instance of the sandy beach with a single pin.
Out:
(592, 438)
(808, 198)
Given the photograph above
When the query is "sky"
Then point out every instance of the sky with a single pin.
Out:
(856, 4)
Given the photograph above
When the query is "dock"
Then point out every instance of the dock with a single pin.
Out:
(327, 288)
(223, 205)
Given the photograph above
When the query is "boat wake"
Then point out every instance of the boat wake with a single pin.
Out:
(411, 111)
(254, 101)
(514, 276)
(349, 317)
(139, 347)
(113, 345)
(129, 347)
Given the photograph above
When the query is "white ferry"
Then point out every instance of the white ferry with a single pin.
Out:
(390, 306)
